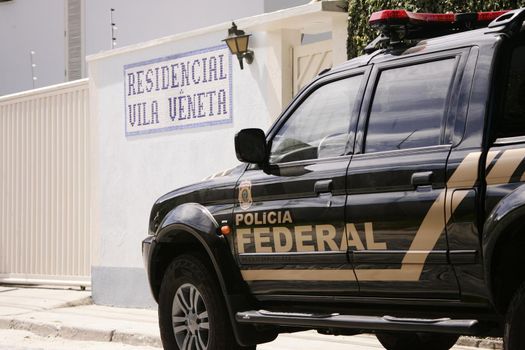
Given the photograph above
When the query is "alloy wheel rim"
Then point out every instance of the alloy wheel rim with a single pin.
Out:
(190, 319)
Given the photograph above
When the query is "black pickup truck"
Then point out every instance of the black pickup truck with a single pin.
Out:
(388, 198)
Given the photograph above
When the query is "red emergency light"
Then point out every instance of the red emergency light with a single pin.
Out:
(403, 17)
(490, 16)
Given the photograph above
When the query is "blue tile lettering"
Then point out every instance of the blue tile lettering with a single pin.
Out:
(184, 90)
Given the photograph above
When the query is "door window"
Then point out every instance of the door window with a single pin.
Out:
(320, 126)
(409, 106)
(512, 123)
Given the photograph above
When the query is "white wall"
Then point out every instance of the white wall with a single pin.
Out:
(133, 172)
(139, 20)
(130, 172)
(275, 5)
(27, 25)
(39, 25)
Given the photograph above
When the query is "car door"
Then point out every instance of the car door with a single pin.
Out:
(289, 217)
(396, 181)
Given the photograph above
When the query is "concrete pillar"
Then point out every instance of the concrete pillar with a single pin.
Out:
(339, 38)
(280, 45)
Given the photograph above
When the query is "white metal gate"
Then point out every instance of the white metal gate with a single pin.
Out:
(45, 186)
(309, 60)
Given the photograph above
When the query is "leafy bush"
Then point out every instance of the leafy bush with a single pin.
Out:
(360, 33)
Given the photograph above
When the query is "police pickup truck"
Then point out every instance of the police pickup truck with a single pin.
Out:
(388, 198)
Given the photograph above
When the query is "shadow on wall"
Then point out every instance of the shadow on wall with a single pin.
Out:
(262, 75)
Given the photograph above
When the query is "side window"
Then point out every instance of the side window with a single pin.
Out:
(319, 127)
(409, 106)
(512, 122)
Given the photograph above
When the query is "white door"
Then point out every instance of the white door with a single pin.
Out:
(309, 60)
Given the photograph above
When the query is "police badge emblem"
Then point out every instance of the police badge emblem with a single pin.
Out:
(245, 195)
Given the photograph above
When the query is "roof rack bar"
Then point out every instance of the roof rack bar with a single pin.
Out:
(508, 18)
(378, 42)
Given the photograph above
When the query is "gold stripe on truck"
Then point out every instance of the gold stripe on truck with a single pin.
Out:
(430, 229)
(299, 275)
(433, 225)
(505, 166)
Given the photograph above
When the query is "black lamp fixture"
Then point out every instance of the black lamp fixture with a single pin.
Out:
(237, 41)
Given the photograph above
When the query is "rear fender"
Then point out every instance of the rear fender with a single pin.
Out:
(501, 222)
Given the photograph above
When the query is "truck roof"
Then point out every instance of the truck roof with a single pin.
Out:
(477, 37)
(427, 32)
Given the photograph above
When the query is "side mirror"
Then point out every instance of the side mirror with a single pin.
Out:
(251, 147)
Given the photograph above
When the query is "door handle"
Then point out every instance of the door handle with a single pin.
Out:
(323, 186)
(422, 179)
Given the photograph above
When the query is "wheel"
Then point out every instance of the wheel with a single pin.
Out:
(514, 337)
(192, 312)
(417, 341)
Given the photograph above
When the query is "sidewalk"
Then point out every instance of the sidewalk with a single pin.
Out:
(70, 314)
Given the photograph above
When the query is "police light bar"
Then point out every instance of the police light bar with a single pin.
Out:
(400, 28)
(387, 18)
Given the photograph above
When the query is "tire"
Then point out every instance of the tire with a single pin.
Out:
(417, 341)
(514, 337)
(192, 311)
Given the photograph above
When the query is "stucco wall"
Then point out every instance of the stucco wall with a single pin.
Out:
(138, 20)
(25, 26)
(39, 25)
(130, 173)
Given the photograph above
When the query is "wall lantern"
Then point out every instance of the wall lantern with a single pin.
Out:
(237, 41)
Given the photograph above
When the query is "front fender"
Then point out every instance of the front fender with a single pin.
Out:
(193, 215)
(499, 222)
(196, 220)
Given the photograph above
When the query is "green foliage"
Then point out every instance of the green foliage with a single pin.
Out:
(359, 11)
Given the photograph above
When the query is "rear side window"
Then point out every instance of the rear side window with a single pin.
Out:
(512, 122)
(409, 106)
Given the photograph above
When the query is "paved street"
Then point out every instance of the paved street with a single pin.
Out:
(23, 340)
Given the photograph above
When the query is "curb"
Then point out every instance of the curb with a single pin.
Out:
(76, 333)
(485, 343)
(116, 336)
